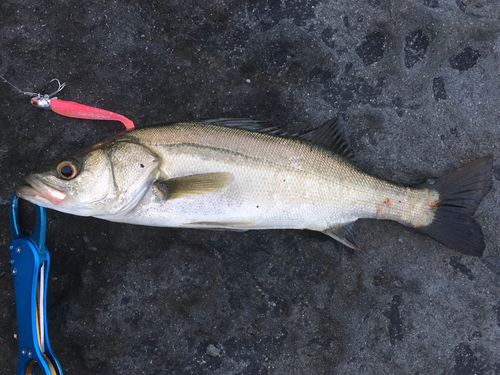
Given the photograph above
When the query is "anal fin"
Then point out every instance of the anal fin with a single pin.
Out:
(223, 225)
(344, 234)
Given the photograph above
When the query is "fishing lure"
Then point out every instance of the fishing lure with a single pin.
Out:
(72, 109)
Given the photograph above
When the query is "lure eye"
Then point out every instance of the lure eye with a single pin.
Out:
(68, 169)
(35, 102)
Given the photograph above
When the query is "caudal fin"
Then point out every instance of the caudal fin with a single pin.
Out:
(460, 192)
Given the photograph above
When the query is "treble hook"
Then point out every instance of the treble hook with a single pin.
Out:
(61, 86)
(39, 100)
(45, 101)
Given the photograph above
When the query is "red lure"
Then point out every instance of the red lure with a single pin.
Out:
(72, 109)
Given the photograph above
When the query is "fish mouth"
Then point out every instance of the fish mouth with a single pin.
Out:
(39, 189)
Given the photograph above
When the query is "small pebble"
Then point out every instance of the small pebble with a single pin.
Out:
(213, 351)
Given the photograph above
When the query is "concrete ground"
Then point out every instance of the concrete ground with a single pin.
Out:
(418, 85)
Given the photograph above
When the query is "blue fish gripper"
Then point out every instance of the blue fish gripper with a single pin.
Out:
(30, 263)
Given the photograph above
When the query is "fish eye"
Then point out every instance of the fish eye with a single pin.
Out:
(68, 169)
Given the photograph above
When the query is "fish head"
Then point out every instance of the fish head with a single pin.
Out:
(105, 180)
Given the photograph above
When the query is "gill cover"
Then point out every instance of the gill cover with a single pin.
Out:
(134, 169)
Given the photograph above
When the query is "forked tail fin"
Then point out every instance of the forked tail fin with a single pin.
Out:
(460, 192)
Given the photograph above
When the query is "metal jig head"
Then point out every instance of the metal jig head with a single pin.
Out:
(38, 100)
(44, 101)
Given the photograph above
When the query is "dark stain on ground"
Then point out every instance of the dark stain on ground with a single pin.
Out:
(455, 263)
(439, 89)
(496, 310)
(465, 361)
(479, 8)
(328, 36)
(348, 89)
(270, 12)
(373, 48)
(393, 283)
(320, 75)
(415, 47)
(395, 321)
(496, 172)
(465, 60)
(431, 3)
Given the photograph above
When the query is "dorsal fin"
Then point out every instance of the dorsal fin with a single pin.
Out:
(260, 126)
(331, 136)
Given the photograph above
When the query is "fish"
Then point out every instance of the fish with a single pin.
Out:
(242, 174)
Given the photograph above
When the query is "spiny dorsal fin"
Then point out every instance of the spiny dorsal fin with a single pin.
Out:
(344, 234)
(247, 124)
(331, 136)
(196, 184)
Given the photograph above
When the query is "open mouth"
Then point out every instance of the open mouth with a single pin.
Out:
(38, 189)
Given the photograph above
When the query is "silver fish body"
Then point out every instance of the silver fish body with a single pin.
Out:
(207, 175)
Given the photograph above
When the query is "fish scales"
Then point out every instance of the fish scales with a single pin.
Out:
(295, 183)
(219, 174)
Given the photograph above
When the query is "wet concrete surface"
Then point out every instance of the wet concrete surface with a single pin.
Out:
(417, 84)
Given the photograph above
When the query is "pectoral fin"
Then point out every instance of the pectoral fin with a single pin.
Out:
(344, 234)
(196, 184)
